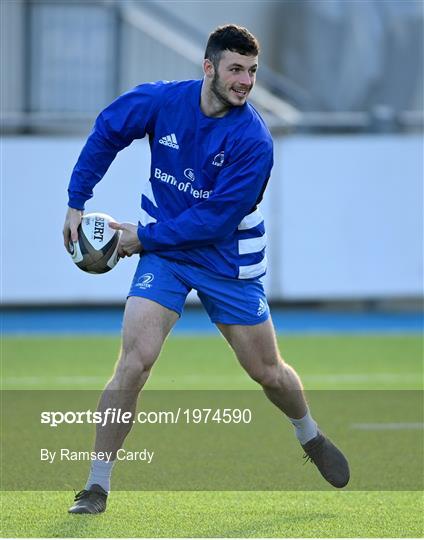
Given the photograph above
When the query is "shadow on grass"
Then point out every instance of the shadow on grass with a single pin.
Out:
(276, 525)
(75, 526)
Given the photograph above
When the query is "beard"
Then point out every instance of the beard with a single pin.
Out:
(218, 89)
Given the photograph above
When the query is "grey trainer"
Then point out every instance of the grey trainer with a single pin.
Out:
(328, 459)
(89, 501)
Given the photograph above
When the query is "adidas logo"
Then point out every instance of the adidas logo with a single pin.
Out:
(261, 308)
(170, 140)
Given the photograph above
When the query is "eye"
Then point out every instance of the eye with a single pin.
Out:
(235, 70)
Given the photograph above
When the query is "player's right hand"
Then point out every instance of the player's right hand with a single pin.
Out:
(70, 228)
(129, 242)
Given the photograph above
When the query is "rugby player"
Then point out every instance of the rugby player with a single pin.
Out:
(200, 228)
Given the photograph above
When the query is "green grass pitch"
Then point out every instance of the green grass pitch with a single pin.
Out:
(372, 362)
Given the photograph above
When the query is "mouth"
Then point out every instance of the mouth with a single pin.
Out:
(239, 92)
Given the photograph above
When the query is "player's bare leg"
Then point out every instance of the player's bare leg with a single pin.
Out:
(146, 326)
(257, 351)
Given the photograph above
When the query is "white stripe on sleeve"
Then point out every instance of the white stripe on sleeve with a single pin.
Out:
(251, 220)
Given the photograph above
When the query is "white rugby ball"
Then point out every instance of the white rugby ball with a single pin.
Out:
(96, 250)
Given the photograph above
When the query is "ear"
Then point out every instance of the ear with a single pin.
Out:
(208, 68)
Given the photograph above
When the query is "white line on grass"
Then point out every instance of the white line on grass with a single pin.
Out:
(374, 378)
(363, 377)
(382, 426)
(59, 380)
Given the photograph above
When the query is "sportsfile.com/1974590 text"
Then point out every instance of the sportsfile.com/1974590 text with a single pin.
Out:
(179, 415)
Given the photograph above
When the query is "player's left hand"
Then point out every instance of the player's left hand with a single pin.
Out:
(129, 242)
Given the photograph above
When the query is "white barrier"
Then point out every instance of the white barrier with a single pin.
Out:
(351, 217)
(344, 219)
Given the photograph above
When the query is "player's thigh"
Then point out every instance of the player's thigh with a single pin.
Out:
(255, 346)
(155, 301)
(146, 325)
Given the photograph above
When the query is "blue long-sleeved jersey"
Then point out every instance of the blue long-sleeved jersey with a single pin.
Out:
(207, 175)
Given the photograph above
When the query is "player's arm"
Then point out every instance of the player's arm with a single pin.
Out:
(238, 189)
(129, 117)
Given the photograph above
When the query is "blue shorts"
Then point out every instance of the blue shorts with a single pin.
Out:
(227, 301)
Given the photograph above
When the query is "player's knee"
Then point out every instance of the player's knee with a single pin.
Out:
(129, 375)
(271, 375)
(135, 364)
(140, 351)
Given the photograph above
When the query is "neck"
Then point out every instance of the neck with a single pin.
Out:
(210, 104)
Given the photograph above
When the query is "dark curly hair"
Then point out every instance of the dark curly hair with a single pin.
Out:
(230, 37)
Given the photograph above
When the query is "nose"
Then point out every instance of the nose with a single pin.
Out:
(246, 79)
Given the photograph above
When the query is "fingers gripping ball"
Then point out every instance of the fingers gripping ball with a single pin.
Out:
(96, 250)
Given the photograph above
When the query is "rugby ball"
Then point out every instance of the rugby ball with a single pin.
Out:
(96, 250)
